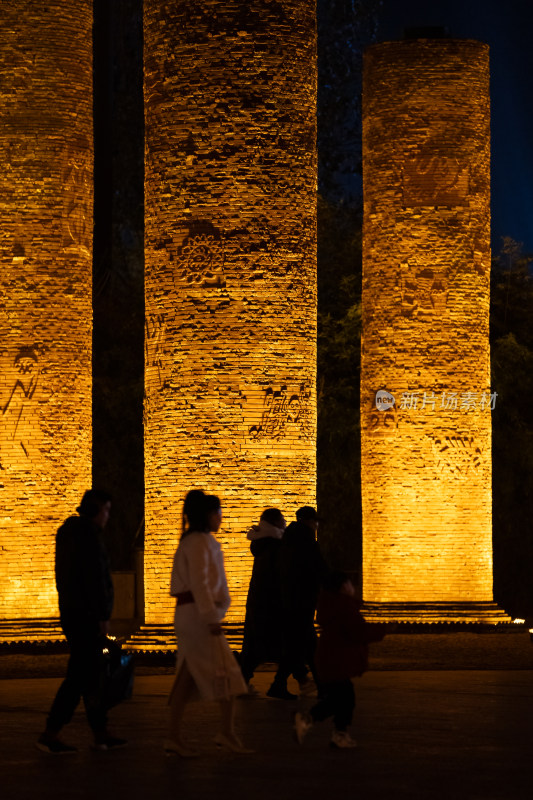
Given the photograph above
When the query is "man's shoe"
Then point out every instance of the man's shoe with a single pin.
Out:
(308, 688)
(302, 725)
(281, 693)
(341, 740)
(109, 743)
(49, 744)
(252, 692)
(231, 743)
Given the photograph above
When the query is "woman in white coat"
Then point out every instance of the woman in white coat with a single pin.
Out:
(206, 669)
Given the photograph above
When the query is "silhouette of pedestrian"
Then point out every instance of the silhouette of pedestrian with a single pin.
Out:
(342, 654)
(85, 592)
(206, 666)
(262, 623)
(301, 569)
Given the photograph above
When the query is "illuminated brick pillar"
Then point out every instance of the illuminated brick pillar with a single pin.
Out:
(426, 465)
(45, 290)
(230, 94)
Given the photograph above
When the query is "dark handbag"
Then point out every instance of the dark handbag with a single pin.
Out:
(116, 674)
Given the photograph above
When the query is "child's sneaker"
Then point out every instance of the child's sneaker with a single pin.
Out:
(342, 739)
(302, 725)
(105, 741)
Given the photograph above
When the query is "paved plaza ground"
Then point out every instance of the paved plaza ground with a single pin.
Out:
(446, 731)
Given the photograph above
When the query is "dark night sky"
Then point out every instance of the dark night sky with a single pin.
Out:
(507, 27)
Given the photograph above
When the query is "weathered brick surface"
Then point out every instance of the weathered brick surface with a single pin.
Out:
(45, 289)
(426, 472)
(230, 245)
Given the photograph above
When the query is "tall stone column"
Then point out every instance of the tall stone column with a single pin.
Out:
(230, 211)
(425, 384)
(45, 294)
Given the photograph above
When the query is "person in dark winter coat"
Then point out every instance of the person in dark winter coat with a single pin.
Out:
(301, 569)
(262, 623)
(342, 654)
(85, 595)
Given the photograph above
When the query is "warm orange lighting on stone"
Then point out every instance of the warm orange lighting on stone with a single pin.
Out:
(230, 94)
(426, 460)
(45, 291)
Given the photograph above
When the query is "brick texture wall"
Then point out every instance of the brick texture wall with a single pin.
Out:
(45, 289)
(230, 97)
(426, 461)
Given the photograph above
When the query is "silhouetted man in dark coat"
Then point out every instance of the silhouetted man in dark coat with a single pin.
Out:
(262, 623)
(301, 569)
(85, 593)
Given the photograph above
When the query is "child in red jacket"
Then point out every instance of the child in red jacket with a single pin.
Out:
(342, 653)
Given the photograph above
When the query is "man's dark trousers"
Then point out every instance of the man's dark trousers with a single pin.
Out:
(82, 678)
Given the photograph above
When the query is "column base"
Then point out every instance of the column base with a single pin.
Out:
(432, 613)
(31, 631)
(152, 639)
(162, 639)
